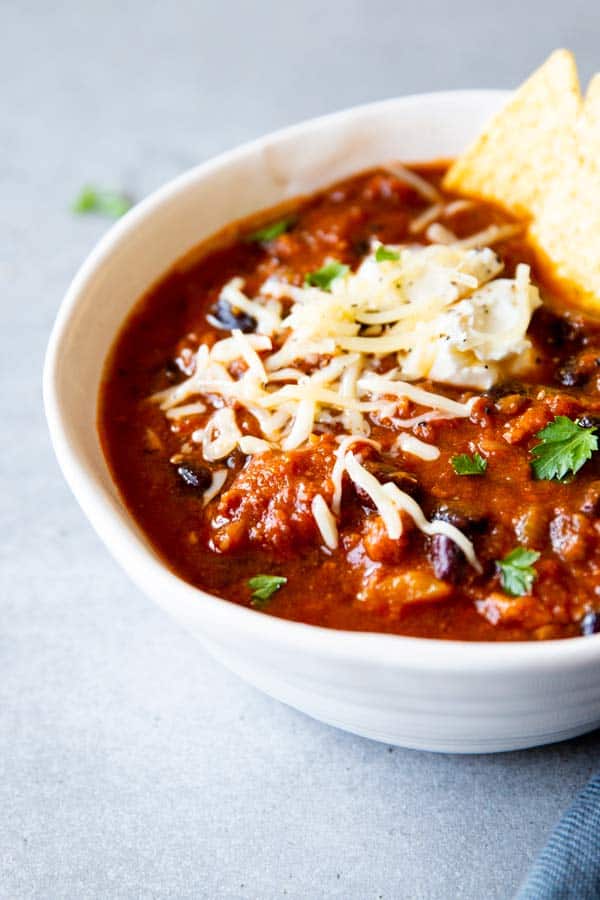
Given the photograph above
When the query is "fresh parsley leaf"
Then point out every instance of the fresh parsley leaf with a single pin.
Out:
(323, 277)
(382, 254)
(516, 571)
(112, 204)
(270, 232)
(463, 464)
(564, 447)
(263, 587)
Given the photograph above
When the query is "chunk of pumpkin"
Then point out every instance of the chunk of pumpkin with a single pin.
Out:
(412, 586)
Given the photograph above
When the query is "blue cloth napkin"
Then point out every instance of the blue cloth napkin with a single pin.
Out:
(568, 868)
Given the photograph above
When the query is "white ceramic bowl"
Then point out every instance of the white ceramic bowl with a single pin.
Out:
(434, 695)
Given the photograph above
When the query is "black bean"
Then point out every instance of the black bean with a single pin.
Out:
(570, 375)
(447, 558)
(590, 624)
(589, 421)
(559, 330)
(506, 388)
(229, 318)
(195, 476)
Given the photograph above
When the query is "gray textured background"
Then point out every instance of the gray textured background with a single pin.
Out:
(131, 764)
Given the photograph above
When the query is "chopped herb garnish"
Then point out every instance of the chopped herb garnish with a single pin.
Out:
(516, 571)
(324, 276)
(105, 203)
(564, 448)
(263, 587)
(463, 464)
(383, 254)
(270, 232)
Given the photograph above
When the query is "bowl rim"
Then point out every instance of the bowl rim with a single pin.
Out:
(147, 569)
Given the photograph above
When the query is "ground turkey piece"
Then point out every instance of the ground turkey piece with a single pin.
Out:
(269, 503)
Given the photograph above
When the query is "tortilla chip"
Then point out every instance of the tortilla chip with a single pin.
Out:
(567, 227)
(526, 144)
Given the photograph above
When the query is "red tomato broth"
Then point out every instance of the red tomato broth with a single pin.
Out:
(362, 585)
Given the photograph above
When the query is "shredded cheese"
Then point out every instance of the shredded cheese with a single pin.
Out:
(325, 522)
(410, 444)
(303, 424)
(188, 409)
(490, 235)
(439, 234)
(387, 385)
(421, 185)
(456, 206)
(228, 349)
(220, 435)
(428, 216)
(251, 445)
(249, 355)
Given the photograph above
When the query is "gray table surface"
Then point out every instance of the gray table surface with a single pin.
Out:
(131, 764)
